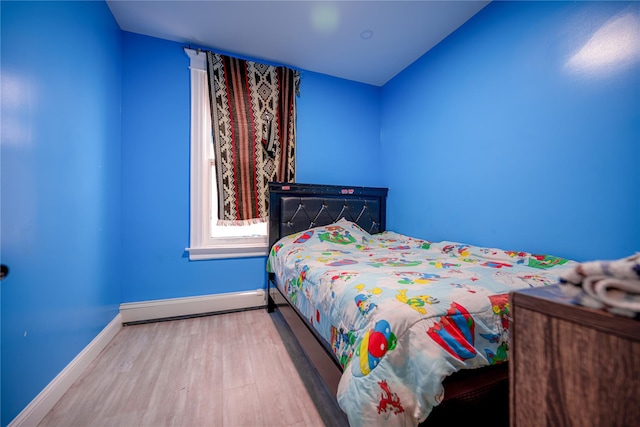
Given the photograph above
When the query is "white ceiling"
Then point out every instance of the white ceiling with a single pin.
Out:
(327, 37)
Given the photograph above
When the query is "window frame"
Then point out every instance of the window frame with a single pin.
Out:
(201, 245)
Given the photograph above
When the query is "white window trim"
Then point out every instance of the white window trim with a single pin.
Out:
(201, 245)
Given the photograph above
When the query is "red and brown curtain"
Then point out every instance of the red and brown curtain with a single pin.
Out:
(253, 116)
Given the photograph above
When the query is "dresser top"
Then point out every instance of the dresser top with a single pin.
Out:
(552, 301)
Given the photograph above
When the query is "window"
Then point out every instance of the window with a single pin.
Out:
(207, 240)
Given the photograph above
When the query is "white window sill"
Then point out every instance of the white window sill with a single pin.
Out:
(228, 251)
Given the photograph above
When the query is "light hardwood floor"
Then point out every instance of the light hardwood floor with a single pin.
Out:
(234, 369)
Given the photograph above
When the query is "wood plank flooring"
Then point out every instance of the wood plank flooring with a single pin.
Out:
(237, 369)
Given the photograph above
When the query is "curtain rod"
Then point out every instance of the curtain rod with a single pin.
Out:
(198, 50)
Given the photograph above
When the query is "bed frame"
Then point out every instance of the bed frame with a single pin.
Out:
(297, 207)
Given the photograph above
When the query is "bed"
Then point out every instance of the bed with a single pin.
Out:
(402, 330)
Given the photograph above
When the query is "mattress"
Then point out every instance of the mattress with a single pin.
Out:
(400, 313)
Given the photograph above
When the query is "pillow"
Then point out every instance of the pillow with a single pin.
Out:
(341, 232)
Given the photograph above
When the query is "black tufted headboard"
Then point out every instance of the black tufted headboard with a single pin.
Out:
(298, 207)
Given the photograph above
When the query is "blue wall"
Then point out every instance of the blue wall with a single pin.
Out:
(155, 167)
(497, 138)
(338, 132)
(60, 163)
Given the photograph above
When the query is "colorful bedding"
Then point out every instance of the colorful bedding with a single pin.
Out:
(400, 313)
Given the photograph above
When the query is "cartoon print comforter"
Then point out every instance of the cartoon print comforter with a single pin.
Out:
(401, 313)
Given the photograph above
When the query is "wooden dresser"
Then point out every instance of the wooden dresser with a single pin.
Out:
(571, 365)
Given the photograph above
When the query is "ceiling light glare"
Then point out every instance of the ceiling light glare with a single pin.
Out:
(613, 46)
(325, 17)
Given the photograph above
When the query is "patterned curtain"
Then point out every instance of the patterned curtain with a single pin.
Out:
(253, 115)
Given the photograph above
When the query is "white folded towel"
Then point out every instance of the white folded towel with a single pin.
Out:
(625, 268)
(610, 285)
(619, 293)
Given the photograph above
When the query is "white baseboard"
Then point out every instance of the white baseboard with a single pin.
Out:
(49, 396)
(176, 307)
